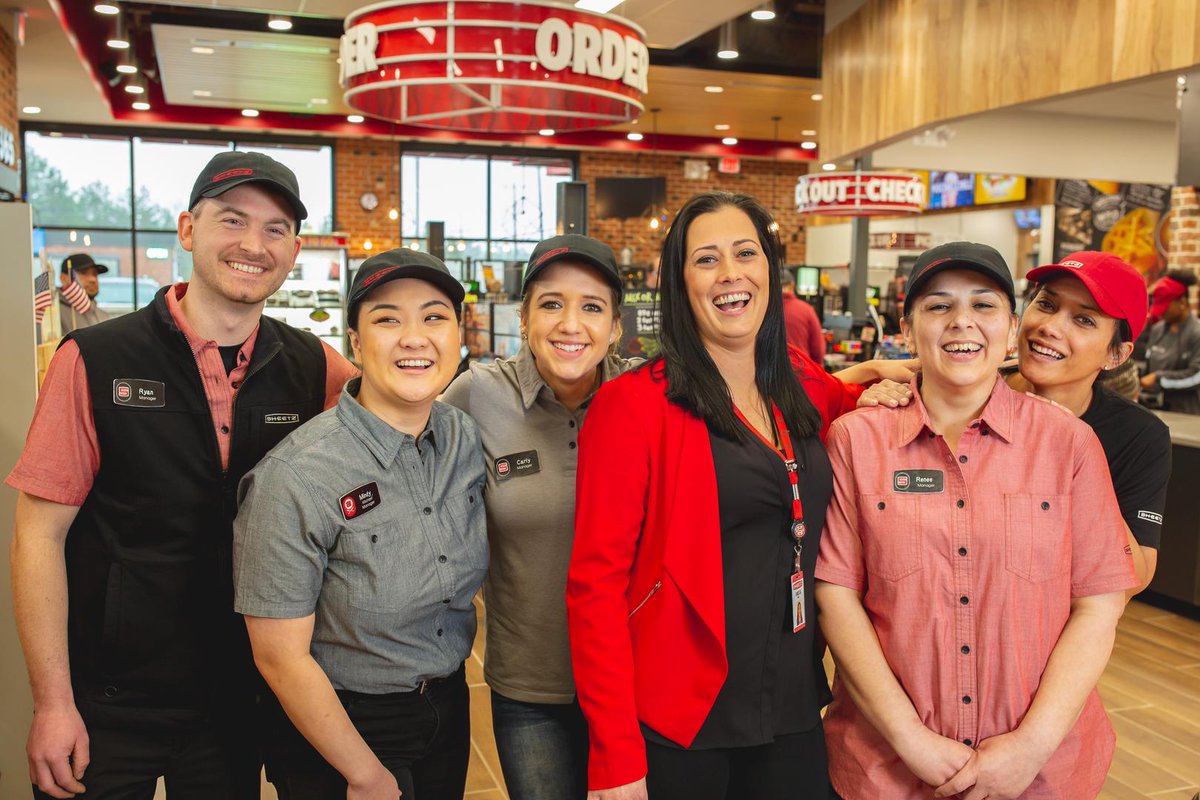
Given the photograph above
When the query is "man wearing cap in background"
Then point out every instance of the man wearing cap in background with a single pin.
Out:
(359, 546)
(800, 320)
(80, 281)
(122, 545)
(1173, 344)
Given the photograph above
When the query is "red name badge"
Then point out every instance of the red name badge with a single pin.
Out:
(797, 602)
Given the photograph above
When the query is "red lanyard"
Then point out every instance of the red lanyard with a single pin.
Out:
(789, 461)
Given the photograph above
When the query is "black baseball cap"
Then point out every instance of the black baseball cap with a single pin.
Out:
(575, 247)
(227, 170)
(78, 261)
(402, 263)
(959, 255)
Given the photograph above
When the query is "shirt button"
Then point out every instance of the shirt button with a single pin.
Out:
(964, 599)
(974, 424)
(962, 551)
(966, 649)
(962, 459)
(1045, 506)
(967, 742)
(446, 602)
(236, 384)
(470, 498)
(882, 506)
(967, 699)
(427, 511)
(224, 429)
(110, 691)
(442, 560)
(439, 631)
(374, 538)
(571, 445)
(932, 434)
(984, 432)
(960, 504)
(571, 424)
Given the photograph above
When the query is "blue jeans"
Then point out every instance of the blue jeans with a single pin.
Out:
(543, 748)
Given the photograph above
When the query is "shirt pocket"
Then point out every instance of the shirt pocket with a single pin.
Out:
(891, 535)
(1035, 535)
(386, 568)
(467, 518)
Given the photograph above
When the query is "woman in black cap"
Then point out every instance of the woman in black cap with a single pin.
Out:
(359, 546)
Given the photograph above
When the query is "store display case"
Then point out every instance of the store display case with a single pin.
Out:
(313, 298)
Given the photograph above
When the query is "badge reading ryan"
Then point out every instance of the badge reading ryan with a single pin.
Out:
(139, 393)
(360, 501)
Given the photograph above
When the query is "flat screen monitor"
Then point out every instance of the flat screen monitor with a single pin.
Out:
(627, 198)
(808, 280)
(1027, 218)
(951, 189)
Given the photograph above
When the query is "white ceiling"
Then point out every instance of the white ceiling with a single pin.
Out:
(51, 75)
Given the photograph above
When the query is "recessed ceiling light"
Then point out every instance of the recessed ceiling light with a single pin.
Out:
(279, 24)
(127, 69)
(249, 112)
(714, 89)
(728, 55)
(634, 137)
(202, 51)
(808, 133)
(133, 88)
(764, 12)
(829, 166)
(600, 6)
(320, 101)
(818, 97)
(31, 110)
(727, 47)
(729, 140)
(118, 44)
(808, 145)
(107, 9)
(141, 106)
(721, 127)
(546, 132)
(355, 118)
(201, 93)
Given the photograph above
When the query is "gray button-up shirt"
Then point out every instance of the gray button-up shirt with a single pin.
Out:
(529, 440)
(380, 534)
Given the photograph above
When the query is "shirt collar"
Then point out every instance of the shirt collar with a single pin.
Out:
(380, 438)
(996, 417)
(194, 340)
(531, 383)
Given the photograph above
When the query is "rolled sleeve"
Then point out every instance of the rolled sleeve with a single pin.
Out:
(280, 544)
(840, 560)
(1100, 559)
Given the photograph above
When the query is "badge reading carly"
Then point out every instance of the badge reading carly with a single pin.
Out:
(139, 393)
(918, 481)
(360, 501)
(517, 465)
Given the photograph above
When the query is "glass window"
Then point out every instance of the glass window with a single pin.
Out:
(112, 249)
(314, 172)
(161, 258)
(78, 180)
(444, 189)
(165, 170)
(524, 202)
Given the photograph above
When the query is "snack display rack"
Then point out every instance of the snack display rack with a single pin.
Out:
(313, 298)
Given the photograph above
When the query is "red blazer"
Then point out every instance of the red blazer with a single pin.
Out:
(645, 595)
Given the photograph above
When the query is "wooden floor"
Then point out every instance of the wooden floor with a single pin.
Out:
(1151, 690)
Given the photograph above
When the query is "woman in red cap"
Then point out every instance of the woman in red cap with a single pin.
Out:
(1173, 344)
(1082, 321)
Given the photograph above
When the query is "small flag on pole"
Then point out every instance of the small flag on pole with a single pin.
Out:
(75, 295)
(41, 296)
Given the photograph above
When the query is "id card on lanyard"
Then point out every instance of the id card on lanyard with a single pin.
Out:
(798, 531)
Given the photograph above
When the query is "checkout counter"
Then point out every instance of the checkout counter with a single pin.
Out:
(1178, 573)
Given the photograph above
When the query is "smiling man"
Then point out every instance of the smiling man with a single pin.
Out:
(122, 546)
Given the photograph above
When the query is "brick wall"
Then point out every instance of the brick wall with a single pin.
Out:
(1184, 249)
(362, 165)
(8, 82)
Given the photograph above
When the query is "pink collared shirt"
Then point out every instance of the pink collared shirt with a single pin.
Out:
(967, 563)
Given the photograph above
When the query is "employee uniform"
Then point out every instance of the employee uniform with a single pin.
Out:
(967, 563)
(803, 327)
(1174, 356)
(381, 536)
(530, 448)
(680, 625)
(140, 423)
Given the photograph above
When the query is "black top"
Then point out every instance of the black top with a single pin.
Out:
(1137, 445)
(229, 356)
(776, 683)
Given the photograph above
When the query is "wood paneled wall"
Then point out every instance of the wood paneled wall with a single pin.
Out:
(897, 66)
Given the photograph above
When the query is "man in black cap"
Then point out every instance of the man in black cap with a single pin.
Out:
(122, 544)
(81, 269)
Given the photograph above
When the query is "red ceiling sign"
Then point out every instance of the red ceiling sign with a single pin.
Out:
(491, 66)
(860, 194)
(729, 164)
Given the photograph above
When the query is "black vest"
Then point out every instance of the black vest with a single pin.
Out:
(151, 622)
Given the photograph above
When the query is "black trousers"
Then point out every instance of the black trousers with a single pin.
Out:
(424, 738)
(793, 767)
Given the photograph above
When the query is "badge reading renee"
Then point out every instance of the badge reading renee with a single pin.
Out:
(517, 465)
(139, 393)
(918, 481)
(360, 501)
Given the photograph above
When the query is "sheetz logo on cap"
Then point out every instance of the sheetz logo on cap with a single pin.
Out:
(232, 173)
(367, 281)
(555, 252)
(1075, 264)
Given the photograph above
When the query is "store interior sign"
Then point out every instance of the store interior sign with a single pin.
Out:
(480, 65)
(860, 194)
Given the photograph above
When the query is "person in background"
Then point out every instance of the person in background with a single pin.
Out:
(972, 571)
(652, 273)
(359, 546)
(1079, 326)
(84, 271)
(121, 551)
(530, 410)
(1173, 344)
(800, 320)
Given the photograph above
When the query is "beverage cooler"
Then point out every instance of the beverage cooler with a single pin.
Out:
(313, 298)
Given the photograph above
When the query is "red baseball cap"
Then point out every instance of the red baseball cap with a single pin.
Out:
(1118, 289)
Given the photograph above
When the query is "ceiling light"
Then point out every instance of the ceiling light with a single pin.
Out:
(764, 12)
(714, 89)
(108, 9)
(727, 42)
(633, 137)
(118, 43)
(355, 118)
(600, 6)
(320, 101)
(729, 140)
(808, 145)
(808, 133)
(133, 88)
(816, 98)
(201, 93)
(721, 127)
(127, 69)
(829, 166)
(279, 24)
(546, 132)
(141, 106)
(249, 112)
(202, 51)
(393, 214)
(38, 110)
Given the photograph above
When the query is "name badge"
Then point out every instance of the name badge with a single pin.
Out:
(139, 393)
(517, 465)
(918, 481)
(360, 501)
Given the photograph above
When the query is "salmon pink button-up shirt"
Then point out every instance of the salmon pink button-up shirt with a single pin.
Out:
(967, 563)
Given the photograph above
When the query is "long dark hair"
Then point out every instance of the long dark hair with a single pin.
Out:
(694, 382)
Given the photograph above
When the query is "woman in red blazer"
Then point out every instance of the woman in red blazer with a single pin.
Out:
(701, 495)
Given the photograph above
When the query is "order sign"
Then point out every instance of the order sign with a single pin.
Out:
(860, 194)
(493, 66)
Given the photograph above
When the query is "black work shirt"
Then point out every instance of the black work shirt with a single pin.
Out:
(776, 683)
(1137, 446)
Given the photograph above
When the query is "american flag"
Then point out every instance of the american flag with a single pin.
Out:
(75, 295)
(41, 296)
